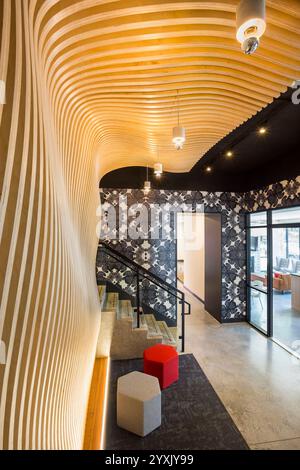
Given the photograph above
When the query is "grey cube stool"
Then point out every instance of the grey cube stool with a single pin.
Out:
(138, 403)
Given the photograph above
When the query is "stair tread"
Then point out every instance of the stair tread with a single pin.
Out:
(174, 331)
(102, 292)
(152, 325)
(112, 301)
(167, 334)
(125, 310)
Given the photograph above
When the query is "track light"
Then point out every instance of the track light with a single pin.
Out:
(251, 24)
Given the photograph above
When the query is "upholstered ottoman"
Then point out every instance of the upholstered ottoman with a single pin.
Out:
(138, 403)
(161, 361)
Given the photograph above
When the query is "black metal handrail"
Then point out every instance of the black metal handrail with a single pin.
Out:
(142, 273)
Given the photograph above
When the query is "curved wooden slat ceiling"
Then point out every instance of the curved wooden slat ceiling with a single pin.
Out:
(125, 60)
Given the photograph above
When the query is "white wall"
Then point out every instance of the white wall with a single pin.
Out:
(190, 249)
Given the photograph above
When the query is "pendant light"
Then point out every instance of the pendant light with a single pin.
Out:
(147, 184)
(158, 169)
(251, 24)
(178, 131)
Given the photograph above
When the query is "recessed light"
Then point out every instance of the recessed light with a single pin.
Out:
(229, 154)
(208, 169)
(262, 130)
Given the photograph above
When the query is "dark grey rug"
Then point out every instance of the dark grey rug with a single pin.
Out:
(193, 417)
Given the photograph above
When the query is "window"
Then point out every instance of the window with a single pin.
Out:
(258, 219)
(286, 216)
(259, 258)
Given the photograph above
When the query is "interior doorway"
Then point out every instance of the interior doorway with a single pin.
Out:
(191, 253)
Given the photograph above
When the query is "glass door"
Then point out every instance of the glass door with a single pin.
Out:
(273, 275)
(257, 278)
(286, 277)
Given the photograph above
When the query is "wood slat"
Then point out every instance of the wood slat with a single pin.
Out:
(94, 429)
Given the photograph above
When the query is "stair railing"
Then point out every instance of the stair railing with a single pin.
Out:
(142, 273)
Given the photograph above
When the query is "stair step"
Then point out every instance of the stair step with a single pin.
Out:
(102, 294)
(149, 321)
(112, 302)
(125, 310)
(174, 332)
(167, 334)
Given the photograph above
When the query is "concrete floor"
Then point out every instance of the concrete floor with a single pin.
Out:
(257, 380)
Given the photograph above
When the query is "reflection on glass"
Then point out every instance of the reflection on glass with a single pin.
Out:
(258, 219)
(286, 250)
(259, 258)
(286, 216)
(286, 285)
(259, 309)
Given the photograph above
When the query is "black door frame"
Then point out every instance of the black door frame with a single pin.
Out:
(269, 226)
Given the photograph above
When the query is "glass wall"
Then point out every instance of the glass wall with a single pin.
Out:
(258, 271)
(286, 285)
(286, 216)
(273, 247)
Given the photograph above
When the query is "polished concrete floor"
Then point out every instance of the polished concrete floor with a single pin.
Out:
(257, 380)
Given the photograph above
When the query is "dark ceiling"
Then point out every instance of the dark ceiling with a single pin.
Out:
(258, 160)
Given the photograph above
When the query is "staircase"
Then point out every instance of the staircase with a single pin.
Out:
(131, 333)
(128, 340)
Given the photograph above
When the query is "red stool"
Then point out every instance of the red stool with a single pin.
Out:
(162, 362)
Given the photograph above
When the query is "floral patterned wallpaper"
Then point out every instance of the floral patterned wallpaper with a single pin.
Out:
(159, 256)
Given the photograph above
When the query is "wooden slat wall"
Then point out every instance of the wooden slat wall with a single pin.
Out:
(91, 87)
(50, 312)
(95, 425)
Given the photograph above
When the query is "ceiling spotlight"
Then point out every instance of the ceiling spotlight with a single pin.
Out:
(158, 169)
(262, 130)
(251, 24)
(208, 169)
(229, 154)
(178, 131)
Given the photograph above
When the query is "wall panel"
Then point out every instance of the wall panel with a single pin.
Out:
(159, 255)
(50, 314)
